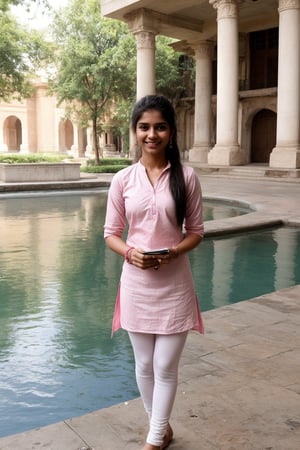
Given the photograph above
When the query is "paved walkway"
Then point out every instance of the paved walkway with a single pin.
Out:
(239, 384)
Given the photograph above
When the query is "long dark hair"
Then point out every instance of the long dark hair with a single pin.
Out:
(177, 183)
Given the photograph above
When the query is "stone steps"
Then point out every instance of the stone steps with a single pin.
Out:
(249, 171)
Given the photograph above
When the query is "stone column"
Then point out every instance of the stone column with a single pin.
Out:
(143, 25)
(59, 113)
(145, 73)
(74, 148)
(145, 70)
(287, 150)
(203, 90)
(227, 150)
(89, 153)
(24, 149)
(3, 147)
(110, 137)
(81, 141)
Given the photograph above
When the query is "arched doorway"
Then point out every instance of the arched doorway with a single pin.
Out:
(69, 130)
(66, 135)
(12, 134)
(263, 136)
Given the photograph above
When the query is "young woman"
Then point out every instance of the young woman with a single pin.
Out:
(161, 202)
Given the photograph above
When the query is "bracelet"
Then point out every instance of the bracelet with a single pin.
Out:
(127, 254)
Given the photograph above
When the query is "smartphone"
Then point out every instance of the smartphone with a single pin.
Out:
(160, 251)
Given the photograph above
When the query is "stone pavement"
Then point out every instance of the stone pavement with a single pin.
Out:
(239, 389)
(239, 383)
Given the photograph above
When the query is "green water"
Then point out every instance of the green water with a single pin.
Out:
(58, 284)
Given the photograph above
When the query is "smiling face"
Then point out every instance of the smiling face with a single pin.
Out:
(153, 133)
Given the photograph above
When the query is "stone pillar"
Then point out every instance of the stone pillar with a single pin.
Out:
(24, 149)
(3, 147)
(143, 25)
(145, 73)
(145, 58)
(74, 148)
(89, 153)
(110, 138)
(287, 151)
(227, 150)
(82, 141)
(203, 91)
(59, 113)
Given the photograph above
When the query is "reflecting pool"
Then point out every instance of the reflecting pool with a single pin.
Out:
(58, 285)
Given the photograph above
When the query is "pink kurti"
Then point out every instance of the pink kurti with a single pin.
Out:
(160, 301)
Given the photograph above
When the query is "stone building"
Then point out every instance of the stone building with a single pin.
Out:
(246, 105)
(38, 125)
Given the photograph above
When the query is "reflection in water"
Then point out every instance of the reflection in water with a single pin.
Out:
(58, 284)
(56, 353)
(215, 210)
(239, 267)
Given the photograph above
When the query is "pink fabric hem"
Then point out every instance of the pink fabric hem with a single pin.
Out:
(200, 326)
(116, 322)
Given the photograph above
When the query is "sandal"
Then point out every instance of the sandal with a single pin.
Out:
(168, 438)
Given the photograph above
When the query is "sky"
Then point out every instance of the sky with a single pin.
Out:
(35, 18)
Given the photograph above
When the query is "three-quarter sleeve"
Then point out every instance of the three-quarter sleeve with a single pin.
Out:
(194, 211)
(115, 220)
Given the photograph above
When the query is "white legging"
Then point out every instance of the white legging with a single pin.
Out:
(156, 367)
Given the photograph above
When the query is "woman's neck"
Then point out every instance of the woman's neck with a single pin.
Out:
(154, 167)
(153, 163)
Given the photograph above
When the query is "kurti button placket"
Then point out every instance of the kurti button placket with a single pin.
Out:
(153, 204)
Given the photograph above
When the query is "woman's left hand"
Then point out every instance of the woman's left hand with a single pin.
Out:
(139, 259)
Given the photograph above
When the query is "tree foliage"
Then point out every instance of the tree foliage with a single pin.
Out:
(5, 4)
(93, 63)
(169, 81)
(22, 52)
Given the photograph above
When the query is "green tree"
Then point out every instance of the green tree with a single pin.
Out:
(21, 54)
(5, 4)
(93, 69)
(169, 80)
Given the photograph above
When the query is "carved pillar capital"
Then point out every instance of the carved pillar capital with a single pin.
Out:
(226, 9)
(145, 40)
(288, 4)
(203, 49)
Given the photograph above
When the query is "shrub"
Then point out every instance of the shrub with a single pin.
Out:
(31, 158)
(103, 169)
(110, 162)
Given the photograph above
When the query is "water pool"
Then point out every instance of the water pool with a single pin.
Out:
(57, 290)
